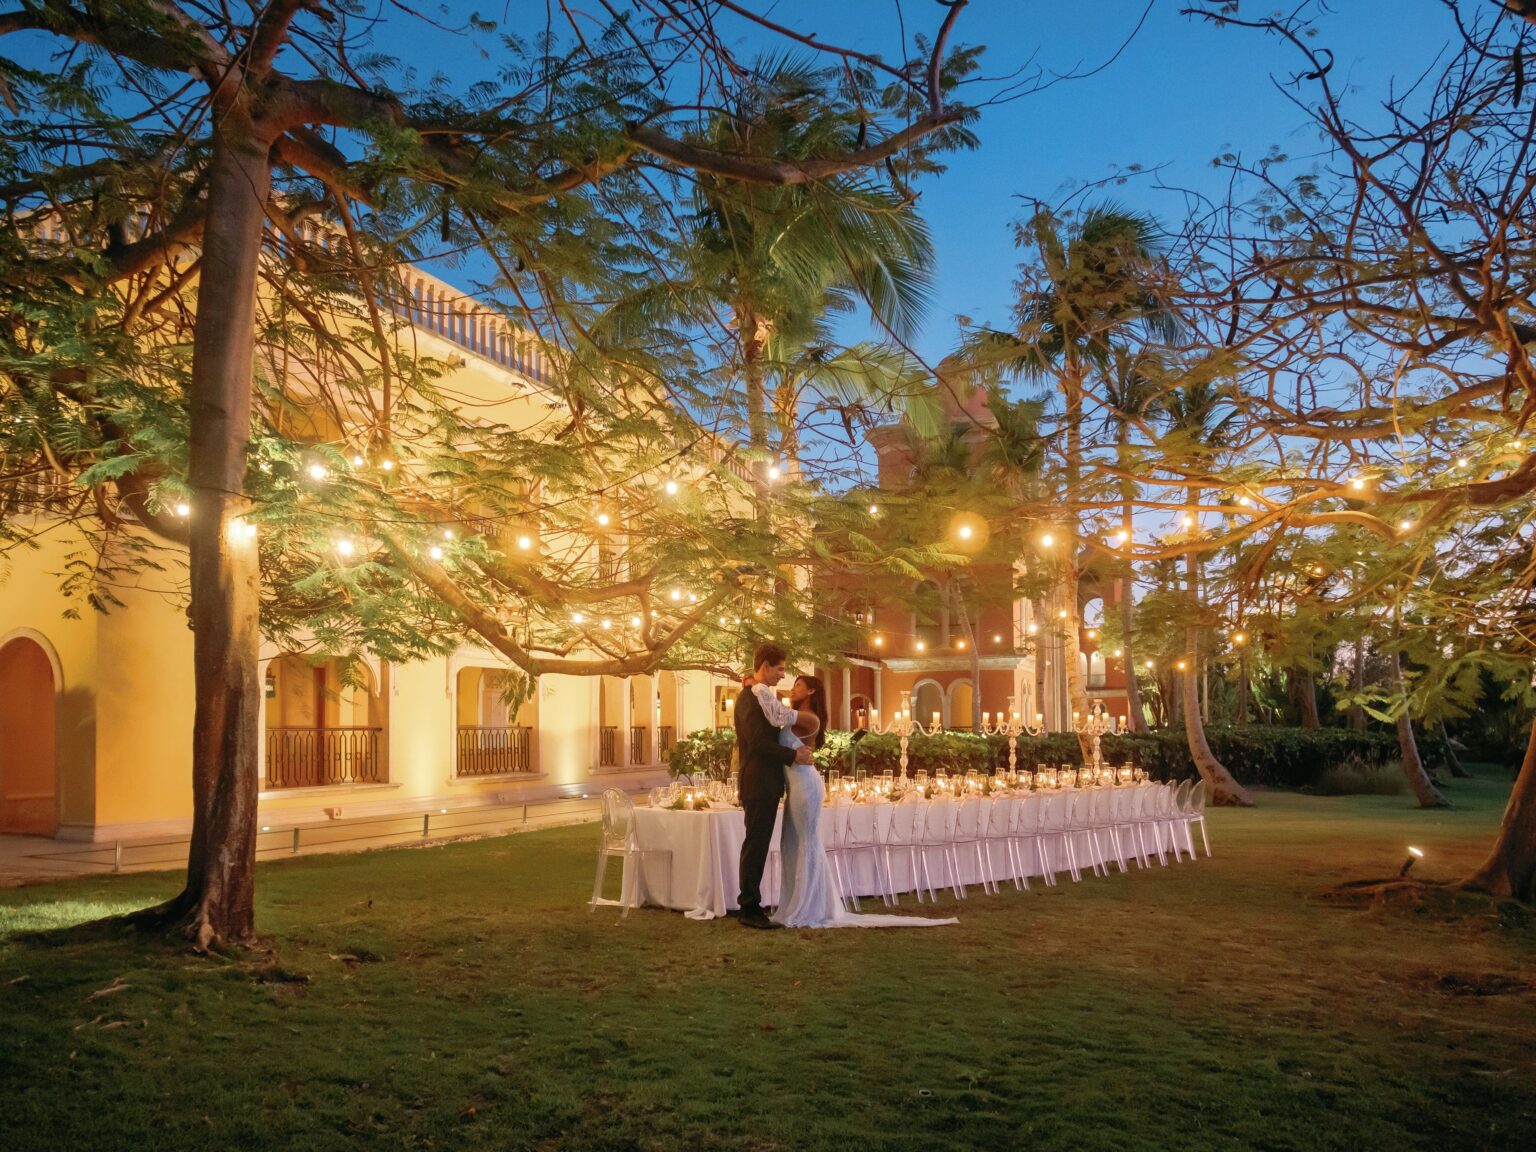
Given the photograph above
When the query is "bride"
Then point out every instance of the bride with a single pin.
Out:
(806, 895)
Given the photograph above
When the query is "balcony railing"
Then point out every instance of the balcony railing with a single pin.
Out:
(311, 757)
(638, 739)
(663, 741)
(490, 751)
(608, 746)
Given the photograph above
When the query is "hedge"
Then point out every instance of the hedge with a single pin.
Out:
(1279, 757)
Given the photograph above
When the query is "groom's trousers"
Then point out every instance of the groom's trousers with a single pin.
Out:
(760, 814)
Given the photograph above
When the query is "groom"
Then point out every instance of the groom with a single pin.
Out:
(763, 760)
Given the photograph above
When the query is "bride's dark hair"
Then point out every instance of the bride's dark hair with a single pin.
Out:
(816, 703)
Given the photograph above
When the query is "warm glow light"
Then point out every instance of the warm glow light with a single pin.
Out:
(1412, 851)
(357, 461)
(1180, 665)
(997, 638)
(1150, 664)
(183, 510)
(1118, 653)
(922, 646)
(634, 621)
(602, 519)
(1404, 525)
(1317, 569)
(675, 594)
(1189, 521)
(1093, 633)
(1462, 463)
(318, 472)
(1062, 613)
(344, 547)
(959, 643)
(1033, 628)
(435, 552)
(773, 472)
(1244, 502)
(965, 531)
(1516, 445)
(524, 543)
(249, 530)
(1117, 539)
(879, 641)
(874, 509)
(607, 623)
(1047, 540)
(1357, 483)
(671, 487)
(387, 465)
(1239, 637)
(447, 533)
(577, 617)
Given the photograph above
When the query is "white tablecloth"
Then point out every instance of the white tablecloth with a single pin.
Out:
(691, 859)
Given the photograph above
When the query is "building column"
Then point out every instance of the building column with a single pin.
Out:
(653, 718)
(845, 713)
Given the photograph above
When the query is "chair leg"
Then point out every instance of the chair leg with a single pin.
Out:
(1203, 837)
(597, 885)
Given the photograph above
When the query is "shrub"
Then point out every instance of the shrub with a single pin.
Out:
(704, 753)
(1354, 777)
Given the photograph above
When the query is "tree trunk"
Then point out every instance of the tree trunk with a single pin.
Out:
(1423, 787)
(1510, 869)
(1224, 788)
(1136, 716)
(1452, 761)
(217, 907)
(1357, 717)
(1077, 687)
(1242, 689)
(1306, 698)
(753, 340)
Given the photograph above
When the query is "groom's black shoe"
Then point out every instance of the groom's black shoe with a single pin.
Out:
(757, 918)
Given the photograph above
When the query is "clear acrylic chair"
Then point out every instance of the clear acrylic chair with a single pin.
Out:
(860, 839)
(1101, 826)
(1080, 832)
(1125, 814)
(900, 835)
(1056, 824)
(1028, 833)
(970, 830)
(935, 834)
(1173, 815)
(1002, 828)
(621, 838)
(1190, 813)
(835, 822)
(1149, 802)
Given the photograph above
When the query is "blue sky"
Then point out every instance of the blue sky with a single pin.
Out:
(1181, 93)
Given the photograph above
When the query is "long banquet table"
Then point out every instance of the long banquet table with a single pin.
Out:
(691, 858)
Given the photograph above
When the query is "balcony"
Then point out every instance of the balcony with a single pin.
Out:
(316, 757)
(608, 746)
(494, 751)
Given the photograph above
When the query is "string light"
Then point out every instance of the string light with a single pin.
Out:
(1150, 664)
(671, 487)
(879, 641)
(773, 472)
(344, 547)
(602, 519)
(874, 509)
(1047, 540)
(634, 621)
(435, 552)
(1404, 525)
(524, 543)
(1189, 521)
(241, 530)
(1118, 653)
(1062, 614)
(183, 510)
(965, 531)
(997, 638)
(1244, 502)
(1180, 665)
(577, 618)
(922, 646)
(447, 533)
(1033, 628)
(960, 644)
(358, 461)
(1118, 539)
(1239, 637)
(1461, 463)
(1357, 483)
(607, 624)
(675, 594)
(1093, 633)
(318, 471)
(387, 464)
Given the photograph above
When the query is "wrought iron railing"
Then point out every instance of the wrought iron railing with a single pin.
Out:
(663, 741)
(638, 739)
(310, 757)
(484, 750)
(608, 746)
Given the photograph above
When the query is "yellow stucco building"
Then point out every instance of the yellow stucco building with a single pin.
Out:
(96, 712)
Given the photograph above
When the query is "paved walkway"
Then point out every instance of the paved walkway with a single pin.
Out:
(38, 859)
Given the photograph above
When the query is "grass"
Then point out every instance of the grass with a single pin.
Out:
(462, 997)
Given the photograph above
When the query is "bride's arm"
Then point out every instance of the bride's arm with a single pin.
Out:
(779, 714)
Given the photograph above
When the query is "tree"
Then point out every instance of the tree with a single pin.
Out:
(542, 171)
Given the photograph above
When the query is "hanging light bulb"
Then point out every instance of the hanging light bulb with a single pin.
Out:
(960, 644)
(1118, 539)
(997, 638)
(524, 542)
(1188, 521)
(447, 533)
(675, 594)
(773, 472)
(602, 519)
(577, 618)
(1357, 483)
(1047, 540)
(607, 624)
(874, 509)
(435, 552)
(634, 621)
(358, 461)
(344, 547)
(879, 641)
(922, 646)
(965, 531)
(387, 464)
(183, 510)
(318, 472)
(671, 487)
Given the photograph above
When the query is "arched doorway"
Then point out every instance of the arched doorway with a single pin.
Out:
(493, 738)
(858, 711)
(962, 700)
(668, 722)
(927, 702)
(28, 771)
(325, 724)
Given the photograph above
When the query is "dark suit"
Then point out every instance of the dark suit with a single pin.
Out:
(763, 760)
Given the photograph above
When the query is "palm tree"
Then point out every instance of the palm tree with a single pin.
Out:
(1198, 414)
(783, 260)
(1093, 287)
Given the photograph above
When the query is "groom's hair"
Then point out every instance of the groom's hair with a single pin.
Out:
(768, 654)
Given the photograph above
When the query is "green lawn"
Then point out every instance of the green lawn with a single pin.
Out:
(463, 997)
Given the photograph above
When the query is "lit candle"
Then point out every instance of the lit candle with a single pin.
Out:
(874, 717)
(986, 718)
(935, 719)
(1039, 719)
(1075, 716)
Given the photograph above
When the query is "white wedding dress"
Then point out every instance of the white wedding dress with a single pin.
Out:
(807, 897)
